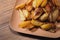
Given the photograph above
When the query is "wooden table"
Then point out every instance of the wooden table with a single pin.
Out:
(6, 8)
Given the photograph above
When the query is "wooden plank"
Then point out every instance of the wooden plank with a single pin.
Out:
(6, 9)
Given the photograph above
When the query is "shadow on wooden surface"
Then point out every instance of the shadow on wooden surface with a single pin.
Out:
(33, 36)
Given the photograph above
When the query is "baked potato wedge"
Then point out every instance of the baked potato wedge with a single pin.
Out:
(24, 24)
(44, 17)
(22, 17)
(55, 14)
(26, 13)
(20, 6)
(46, 26)
(37, 3)
(44, 3)
(36, 23)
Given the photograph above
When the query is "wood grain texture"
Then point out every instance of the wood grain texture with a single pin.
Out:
(6, 8)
